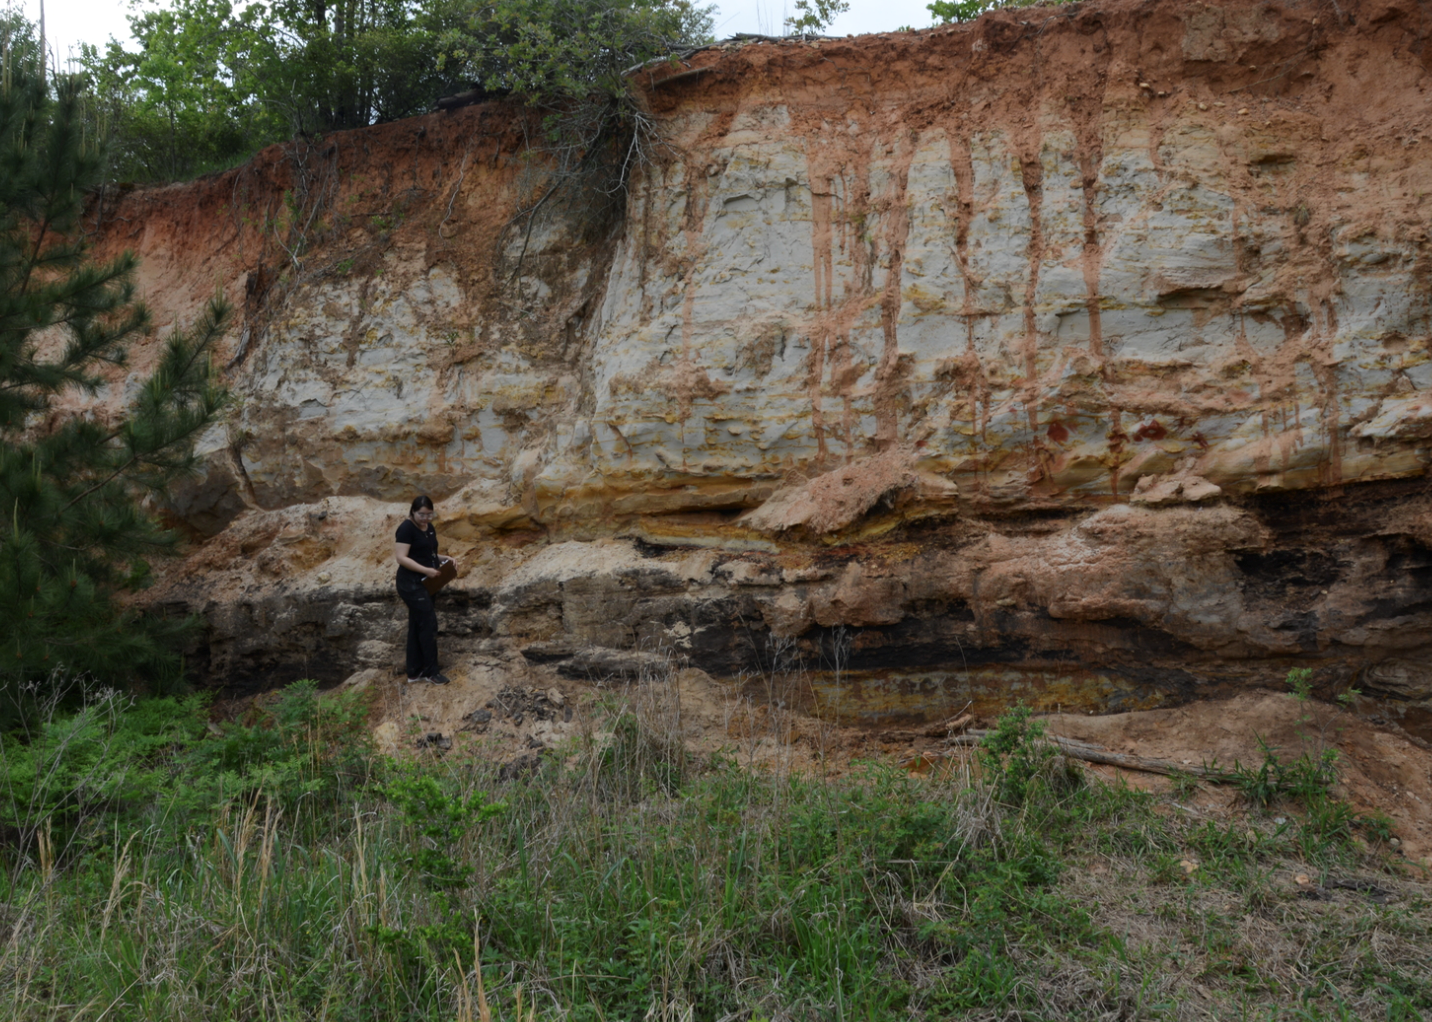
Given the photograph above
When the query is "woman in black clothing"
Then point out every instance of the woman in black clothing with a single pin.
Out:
(416, 550)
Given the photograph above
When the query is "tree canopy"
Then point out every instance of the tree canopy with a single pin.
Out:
(212, 81)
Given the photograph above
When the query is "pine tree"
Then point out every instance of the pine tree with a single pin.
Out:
(78, 492)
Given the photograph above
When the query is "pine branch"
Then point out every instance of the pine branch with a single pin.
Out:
(176, 373)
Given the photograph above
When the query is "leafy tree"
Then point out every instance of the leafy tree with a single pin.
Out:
(77, 490)
(549, 51)
(571, 61)
(968, 10)
(185, 101)
(19, 46)
(815, 15)
(351, 63)
(212, 82)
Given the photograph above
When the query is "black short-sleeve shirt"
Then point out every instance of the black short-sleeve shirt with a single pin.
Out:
(422, 547)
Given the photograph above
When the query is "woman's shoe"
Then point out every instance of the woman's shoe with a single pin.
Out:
(439, 679)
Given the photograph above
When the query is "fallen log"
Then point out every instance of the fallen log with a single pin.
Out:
(944, 727)
(1095, 754)
(1070, 742)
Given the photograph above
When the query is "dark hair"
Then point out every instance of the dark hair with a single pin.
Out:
(419, 502)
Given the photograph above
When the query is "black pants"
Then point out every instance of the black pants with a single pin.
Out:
(422, 628)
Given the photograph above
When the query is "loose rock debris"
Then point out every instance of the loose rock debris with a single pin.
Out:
(521, 767)
(519, 705)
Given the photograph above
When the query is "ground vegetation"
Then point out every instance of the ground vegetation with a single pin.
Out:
(277, 867)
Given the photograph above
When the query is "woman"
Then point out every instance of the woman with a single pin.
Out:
(416, 550)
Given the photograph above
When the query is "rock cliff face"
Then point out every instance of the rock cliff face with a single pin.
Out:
(1077, 355)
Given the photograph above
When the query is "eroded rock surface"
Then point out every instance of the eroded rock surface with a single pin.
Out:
(1079, 355)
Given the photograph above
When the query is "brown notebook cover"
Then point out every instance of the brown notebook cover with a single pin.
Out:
(447, 571)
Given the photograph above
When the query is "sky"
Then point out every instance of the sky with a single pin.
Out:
(68, 23)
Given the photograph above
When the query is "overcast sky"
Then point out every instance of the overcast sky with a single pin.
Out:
(71, 22)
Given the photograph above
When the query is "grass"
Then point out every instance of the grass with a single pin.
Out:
(281, 870)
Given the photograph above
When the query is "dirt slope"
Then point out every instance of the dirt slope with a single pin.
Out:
(486, 712)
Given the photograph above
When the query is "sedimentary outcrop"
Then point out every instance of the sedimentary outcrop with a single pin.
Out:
(1078, 354)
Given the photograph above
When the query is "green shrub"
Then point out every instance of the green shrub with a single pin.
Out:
(118, 762)
(104, 765)
(305, 747)
(1014, 754)
(439, 822)
(1300, 680)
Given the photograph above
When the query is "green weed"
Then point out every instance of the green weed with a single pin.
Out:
(1307, 778)
(1376, 825)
